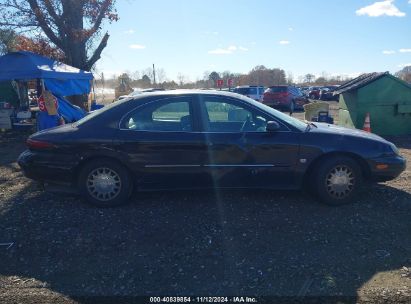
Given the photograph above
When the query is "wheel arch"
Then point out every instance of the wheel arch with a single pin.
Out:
(87, 159)
(365, 169)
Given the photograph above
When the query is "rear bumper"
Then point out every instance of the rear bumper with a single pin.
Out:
(277, 104)
(48, 167)
(393, 166)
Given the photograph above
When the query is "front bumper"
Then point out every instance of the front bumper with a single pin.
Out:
(387, 168)
(47, 166)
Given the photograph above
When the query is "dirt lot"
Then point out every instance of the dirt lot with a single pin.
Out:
(54, 248)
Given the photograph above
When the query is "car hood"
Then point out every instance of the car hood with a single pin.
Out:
(333, 129)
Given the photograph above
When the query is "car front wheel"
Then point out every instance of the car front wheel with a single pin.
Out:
(105, 183)
(338, 179)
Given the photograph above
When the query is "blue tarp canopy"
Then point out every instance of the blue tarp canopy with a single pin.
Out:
(59, 78)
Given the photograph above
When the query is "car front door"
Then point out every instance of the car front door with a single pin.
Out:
(240, 152)
(160, 142)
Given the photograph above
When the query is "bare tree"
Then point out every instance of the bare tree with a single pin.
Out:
(309, 78)
(7, 40)
(290, 78)
(160, 75)
(72, 26)
(181, 79)
(135, 75)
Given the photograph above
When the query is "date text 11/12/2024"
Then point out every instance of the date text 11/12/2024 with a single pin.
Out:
(203, 300)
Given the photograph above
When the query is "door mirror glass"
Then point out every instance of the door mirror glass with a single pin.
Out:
(272, 126)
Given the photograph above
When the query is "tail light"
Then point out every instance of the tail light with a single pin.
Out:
(39, 144)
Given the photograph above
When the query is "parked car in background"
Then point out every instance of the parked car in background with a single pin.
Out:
(313, 92)
(253, 92)
(304, 90)
(285, 98)
(327, 93)
(190, 139)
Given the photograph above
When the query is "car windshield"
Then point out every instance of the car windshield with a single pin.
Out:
(245, 91)
(277, 89)
(135, 93)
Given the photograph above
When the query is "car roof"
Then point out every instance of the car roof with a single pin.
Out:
(249, 86)
(187, 92)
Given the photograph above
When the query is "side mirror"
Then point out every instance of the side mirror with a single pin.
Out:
(272, 126)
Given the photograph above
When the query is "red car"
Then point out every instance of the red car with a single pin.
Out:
(314, 92)
(283, 97)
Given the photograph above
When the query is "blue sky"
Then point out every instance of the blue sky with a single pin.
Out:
(300, 36)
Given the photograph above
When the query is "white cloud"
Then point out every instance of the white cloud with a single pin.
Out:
(405, 50)
(381, 8)
(229, 50)
(388, 52)
(292, 29)
(404, 65)
(220, 52)
(129, 32)
(211, 33)
(137, 46)
(284, 42)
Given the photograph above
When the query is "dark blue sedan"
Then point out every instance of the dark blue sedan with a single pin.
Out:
(205, 139)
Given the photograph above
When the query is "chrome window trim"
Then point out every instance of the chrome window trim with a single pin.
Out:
(211, 166)
(148, 103)
(208, 132)
(239, 165)
(288, 130)
(172, 166)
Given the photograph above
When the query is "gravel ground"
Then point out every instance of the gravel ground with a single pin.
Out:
(54, 248)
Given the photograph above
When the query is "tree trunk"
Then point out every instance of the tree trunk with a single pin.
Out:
(74, 44)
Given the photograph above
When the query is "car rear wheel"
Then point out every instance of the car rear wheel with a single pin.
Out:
(338, 179)
(105, 183)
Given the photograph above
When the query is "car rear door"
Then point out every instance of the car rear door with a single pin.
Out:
(161, 143)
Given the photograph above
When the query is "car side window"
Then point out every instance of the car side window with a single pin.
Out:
(252, 91)
(226, 115)
(165, 115)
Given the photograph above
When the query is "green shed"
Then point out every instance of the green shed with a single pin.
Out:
(385, 97)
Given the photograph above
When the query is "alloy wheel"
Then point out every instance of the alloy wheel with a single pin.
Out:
(103, 184)
(340, 181)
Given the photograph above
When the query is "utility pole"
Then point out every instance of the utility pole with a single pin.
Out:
(154, 75)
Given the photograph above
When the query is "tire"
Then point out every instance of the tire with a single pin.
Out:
(105, 183)
(337, 180)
